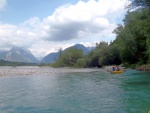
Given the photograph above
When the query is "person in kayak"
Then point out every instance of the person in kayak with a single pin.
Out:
(113, 68)
(117, 68)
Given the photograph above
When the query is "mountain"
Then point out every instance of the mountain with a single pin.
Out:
(17, 54)
(52, 57)
(80, 47)
(2, 54)
(90, 48)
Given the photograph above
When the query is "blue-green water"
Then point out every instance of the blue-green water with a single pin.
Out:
(94, 92)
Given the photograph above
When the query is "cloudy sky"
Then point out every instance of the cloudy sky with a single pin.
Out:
(44, 26)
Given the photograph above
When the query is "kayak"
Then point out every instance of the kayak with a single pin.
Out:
(116, 72)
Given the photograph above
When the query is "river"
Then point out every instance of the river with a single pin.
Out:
(76, 92)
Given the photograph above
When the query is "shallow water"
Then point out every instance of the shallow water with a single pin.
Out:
(86, 92)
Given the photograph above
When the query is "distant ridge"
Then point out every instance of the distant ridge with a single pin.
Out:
(50, 58)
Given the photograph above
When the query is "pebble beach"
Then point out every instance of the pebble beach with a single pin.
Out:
(35, 70)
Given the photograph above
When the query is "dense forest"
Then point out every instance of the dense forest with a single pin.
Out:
(131, 47)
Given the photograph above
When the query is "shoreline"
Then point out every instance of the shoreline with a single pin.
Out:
(110, 67)
(35, 70)
(145, 67)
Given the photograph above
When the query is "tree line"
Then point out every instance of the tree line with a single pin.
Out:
(103, 54)
(9, 63)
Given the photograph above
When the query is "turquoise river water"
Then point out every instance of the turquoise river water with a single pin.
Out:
(91, 92)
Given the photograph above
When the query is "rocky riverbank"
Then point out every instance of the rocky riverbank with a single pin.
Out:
(35, 70)
(145, 67)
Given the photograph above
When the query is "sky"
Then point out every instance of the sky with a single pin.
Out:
(45, 26)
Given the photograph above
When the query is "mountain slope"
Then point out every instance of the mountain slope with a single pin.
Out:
(17, 54)
(2, 54)
(52, 57)
(80, 47)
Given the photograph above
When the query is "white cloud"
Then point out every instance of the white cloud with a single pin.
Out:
(72, 21)
(16, 35)
(83, 21)
(32, 22)
(48, 47)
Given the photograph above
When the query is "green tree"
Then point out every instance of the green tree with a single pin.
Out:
(93, 57)
(81, 62)
(134, 37)
(69, 58)
(104, 54)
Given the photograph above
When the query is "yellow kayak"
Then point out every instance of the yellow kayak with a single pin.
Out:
(116, 72)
